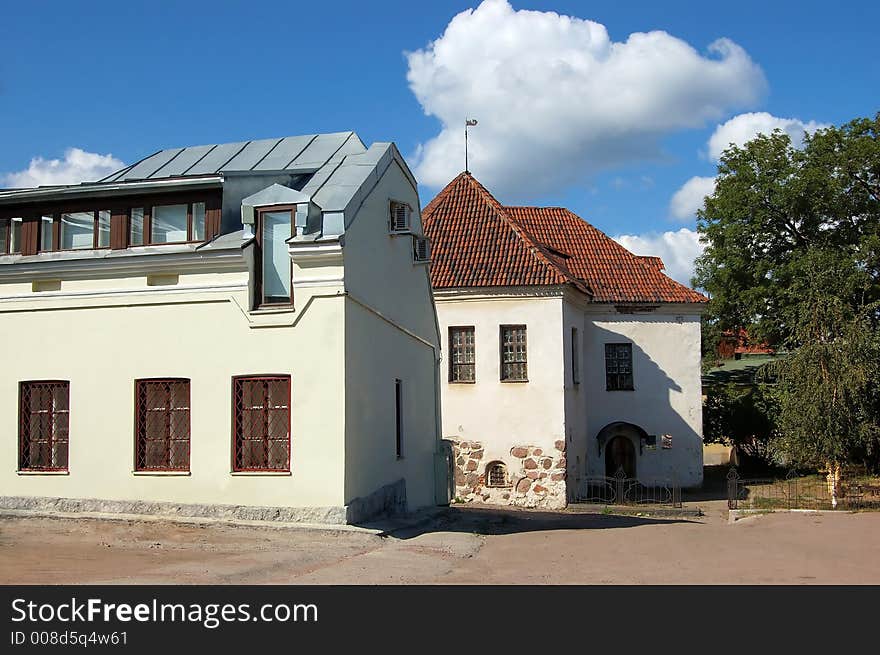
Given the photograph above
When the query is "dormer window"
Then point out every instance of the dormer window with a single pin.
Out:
(273, 229)
(399, 221)
(10, 236)
(177, 223)
(81, 230)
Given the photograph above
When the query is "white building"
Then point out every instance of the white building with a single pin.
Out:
(566, 356)
(236, 330)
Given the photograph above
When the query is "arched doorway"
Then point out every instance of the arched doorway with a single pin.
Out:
(620, 454)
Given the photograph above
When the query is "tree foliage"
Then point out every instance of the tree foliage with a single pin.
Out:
(793, 256)
(740, 415)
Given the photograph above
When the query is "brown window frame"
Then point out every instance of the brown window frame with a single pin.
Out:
(120, 219)
(615, 380)
(259, 298)
(148, 221)
(6, 230)
(141, 412)
(56, 229)
(505, 377)
(466, 351)
(25, 393)
(237, 438)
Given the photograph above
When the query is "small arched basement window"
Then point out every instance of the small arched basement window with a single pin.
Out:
(496, 474)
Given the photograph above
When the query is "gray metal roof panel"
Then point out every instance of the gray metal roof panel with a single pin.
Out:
(352, 146)
(285, 152)
(144, 169)
(319, 178)
(251, 155)
(184, 161)
(217, 158)
(320, 150)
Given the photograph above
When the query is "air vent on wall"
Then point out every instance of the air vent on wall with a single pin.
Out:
(400, 217)
(421, 250)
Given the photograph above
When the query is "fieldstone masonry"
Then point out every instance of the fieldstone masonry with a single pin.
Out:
(535, 475)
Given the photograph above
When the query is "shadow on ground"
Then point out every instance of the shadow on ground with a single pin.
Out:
(714, 485)
(507, 520)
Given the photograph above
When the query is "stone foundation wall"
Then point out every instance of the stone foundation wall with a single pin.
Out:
(535, 475)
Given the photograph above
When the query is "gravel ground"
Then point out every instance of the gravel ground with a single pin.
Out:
(468, 545)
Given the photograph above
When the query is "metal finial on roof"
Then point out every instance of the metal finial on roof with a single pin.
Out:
(469, 122)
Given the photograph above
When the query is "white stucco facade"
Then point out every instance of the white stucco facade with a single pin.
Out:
(555, 419)
(187, 312)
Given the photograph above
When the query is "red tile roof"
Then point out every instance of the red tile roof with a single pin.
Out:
(477, 242)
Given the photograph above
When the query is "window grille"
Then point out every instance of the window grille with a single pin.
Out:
(513, 353)
(496, 475)
(261, 423)
(44, 422)
(618, 367)
(462, 354)
(162, 425)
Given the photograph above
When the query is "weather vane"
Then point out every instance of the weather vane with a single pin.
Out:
(469, 122)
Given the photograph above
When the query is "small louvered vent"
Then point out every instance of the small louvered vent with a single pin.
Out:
(399, 221)
(421, 249)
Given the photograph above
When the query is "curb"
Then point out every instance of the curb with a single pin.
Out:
(189, 520)
(734, 515)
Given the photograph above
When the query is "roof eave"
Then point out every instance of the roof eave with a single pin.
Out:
(108, 189)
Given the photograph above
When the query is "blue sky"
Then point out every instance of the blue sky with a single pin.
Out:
(130, 78)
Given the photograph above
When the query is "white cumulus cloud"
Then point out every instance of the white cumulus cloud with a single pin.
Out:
(678, 250)
(689, 198)
(557, 99)
(741, 129)
(76, 166)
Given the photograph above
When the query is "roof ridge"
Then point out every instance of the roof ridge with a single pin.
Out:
(536, 249)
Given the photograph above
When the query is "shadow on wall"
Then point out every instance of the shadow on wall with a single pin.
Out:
(649, 406)
(507, 520)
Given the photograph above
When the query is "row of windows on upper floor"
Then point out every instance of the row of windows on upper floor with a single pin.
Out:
(91, 229)
(513, 352)
(260, 424)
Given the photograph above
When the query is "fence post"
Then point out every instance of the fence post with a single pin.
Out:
(619, 478)
(732, 483)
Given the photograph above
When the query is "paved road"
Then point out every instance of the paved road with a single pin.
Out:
(468, 546)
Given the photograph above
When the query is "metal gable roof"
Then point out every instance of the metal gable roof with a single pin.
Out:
(300, 154)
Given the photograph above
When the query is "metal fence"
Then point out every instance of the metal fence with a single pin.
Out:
(621, 490)
(855, 490)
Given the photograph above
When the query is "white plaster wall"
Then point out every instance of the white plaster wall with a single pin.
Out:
(102, 344)
(498, 414)
(375, 356)
(576, 407)
(391, 332)
(667, 395)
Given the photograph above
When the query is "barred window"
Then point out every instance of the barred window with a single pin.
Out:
(461, 354)
(43, 425)
(513, 353)
(496, 475)
(618, 367)
(162, 423)
(261, 423)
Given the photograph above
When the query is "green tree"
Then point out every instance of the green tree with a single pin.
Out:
(740, 415)
(793, 256)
